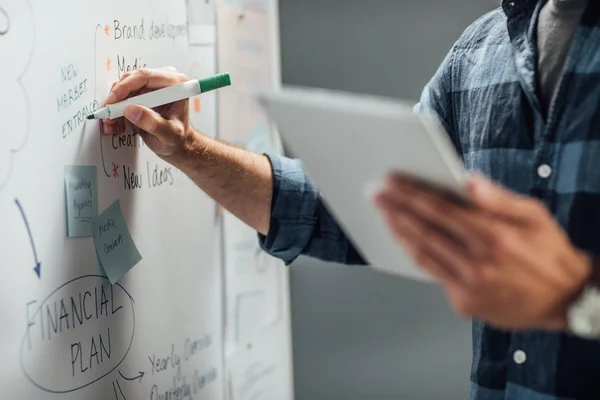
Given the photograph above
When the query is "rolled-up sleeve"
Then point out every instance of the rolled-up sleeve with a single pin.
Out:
(300, 222)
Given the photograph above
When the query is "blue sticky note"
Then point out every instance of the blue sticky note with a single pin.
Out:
(115, 248)
(81, 197)
(100, 267)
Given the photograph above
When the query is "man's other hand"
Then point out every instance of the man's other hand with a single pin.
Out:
(503, 259)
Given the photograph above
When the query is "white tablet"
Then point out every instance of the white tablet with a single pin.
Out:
(348, 143)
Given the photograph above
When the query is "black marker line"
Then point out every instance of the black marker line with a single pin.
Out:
(119, 386)
(95, 86)
(140, 376)
(39, 310)
(11, 152)
(8, 173)
(25, 69)
(5, 31)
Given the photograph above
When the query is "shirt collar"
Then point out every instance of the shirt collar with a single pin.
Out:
(513, 7)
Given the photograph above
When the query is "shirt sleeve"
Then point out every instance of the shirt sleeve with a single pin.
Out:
(300, 222)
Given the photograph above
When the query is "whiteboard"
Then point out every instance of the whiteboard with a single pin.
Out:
(161, 331)
(257, 317)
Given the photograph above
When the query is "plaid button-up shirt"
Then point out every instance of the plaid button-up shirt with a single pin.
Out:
(485, 93)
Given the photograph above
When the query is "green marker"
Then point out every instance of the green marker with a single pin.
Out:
(164, 96)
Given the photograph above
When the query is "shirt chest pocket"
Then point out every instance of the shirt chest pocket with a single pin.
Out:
(494, 134)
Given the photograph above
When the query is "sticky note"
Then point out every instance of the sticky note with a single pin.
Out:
(81, 197)
(114, 245)
(100, 267)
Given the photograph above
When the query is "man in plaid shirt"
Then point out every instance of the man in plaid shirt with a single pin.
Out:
(519, 94)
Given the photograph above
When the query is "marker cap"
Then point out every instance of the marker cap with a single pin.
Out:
(214, 82)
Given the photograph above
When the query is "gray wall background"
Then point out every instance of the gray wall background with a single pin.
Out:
(359, 334)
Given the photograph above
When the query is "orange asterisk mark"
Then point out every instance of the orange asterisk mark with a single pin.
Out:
(106, 30)
(108, 62)
(115, 170)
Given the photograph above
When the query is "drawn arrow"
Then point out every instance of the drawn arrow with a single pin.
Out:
(140, 376)
(38, 264)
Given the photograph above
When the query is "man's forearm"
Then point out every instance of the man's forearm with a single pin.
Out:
(240, 181)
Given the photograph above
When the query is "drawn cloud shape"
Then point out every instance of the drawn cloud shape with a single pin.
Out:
(16, 46)
(4, 22)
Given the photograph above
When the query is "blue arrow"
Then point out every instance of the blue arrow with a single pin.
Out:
(38, 264)
(140, 376)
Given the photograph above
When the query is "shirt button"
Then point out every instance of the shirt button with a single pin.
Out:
(520, 357)
(544, 171)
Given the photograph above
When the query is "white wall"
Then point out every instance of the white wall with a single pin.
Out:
(358, 334)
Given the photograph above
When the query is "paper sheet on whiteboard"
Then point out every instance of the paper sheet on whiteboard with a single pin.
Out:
(201, 22)
(203, 108)
(244, 51)
(254, 371)
(252, 281)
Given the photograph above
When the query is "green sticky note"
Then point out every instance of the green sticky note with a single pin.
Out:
(115, 248)
(81, 197)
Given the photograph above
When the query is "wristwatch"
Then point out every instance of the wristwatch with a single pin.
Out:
(583, 316)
